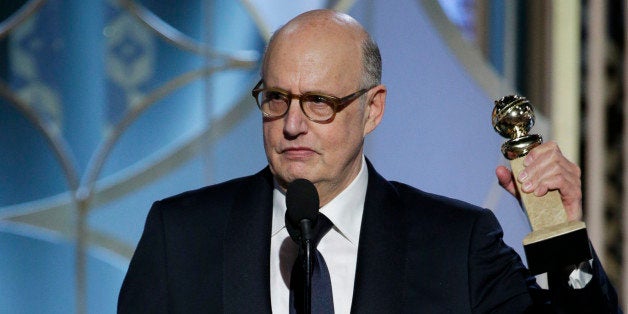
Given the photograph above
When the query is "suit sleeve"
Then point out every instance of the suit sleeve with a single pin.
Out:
(498, 280)
(144, 288)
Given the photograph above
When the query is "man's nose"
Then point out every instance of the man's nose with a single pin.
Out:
(295, 121)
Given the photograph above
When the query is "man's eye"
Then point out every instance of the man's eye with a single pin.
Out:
(272, 96)
(318, 99)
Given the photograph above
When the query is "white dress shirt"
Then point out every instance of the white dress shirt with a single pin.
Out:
(339, 246)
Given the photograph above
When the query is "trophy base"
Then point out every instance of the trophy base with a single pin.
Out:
(556, 247)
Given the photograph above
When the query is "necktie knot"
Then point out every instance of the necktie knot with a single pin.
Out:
(323, 225)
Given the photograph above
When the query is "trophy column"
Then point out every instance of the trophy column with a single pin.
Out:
(554, 242)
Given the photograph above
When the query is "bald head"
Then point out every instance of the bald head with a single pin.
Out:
(341, 33)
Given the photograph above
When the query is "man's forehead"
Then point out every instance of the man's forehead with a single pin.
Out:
(307, 51)
(307, 57)
(330, 41)
(321, 40)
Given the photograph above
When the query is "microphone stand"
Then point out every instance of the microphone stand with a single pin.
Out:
(306, 243)
(307, 298)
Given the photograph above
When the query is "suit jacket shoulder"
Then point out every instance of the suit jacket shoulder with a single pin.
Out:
(197, 247)
(448, 254)
(223, 192)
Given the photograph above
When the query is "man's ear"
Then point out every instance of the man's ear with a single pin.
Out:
(375, 108)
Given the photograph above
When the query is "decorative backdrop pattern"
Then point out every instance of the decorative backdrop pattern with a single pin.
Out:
(39, 49)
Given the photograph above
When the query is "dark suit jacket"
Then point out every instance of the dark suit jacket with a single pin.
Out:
(207, 251)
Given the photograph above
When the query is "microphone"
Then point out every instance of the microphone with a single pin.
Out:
(302, 210)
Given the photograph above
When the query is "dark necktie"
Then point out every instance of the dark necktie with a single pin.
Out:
(322, 299)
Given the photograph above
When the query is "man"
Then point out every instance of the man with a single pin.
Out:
(393, 249)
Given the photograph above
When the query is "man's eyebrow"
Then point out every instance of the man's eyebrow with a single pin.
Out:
(314, 91)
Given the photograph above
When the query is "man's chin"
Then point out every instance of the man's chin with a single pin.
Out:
(289, 176)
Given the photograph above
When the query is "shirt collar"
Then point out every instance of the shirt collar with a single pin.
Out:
(344, 211)
(279, 210)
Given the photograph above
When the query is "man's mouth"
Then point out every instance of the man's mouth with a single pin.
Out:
(298, 152)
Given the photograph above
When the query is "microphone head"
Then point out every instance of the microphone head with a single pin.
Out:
(302, 203)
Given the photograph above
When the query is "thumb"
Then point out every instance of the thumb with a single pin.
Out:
(506, 180)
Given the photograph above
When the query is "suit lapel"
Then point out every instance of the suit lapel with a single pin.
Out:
(247, 248)
(380, 267)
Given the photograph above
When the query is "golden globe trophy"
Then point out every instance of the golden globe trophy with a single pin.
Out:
(554, 242)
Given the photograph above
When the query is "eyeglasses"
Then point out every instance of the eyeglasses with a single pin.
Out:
(275, 103)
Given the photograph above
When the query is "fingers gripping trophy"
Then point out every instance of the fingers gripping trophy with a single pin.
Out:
(554, 242)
